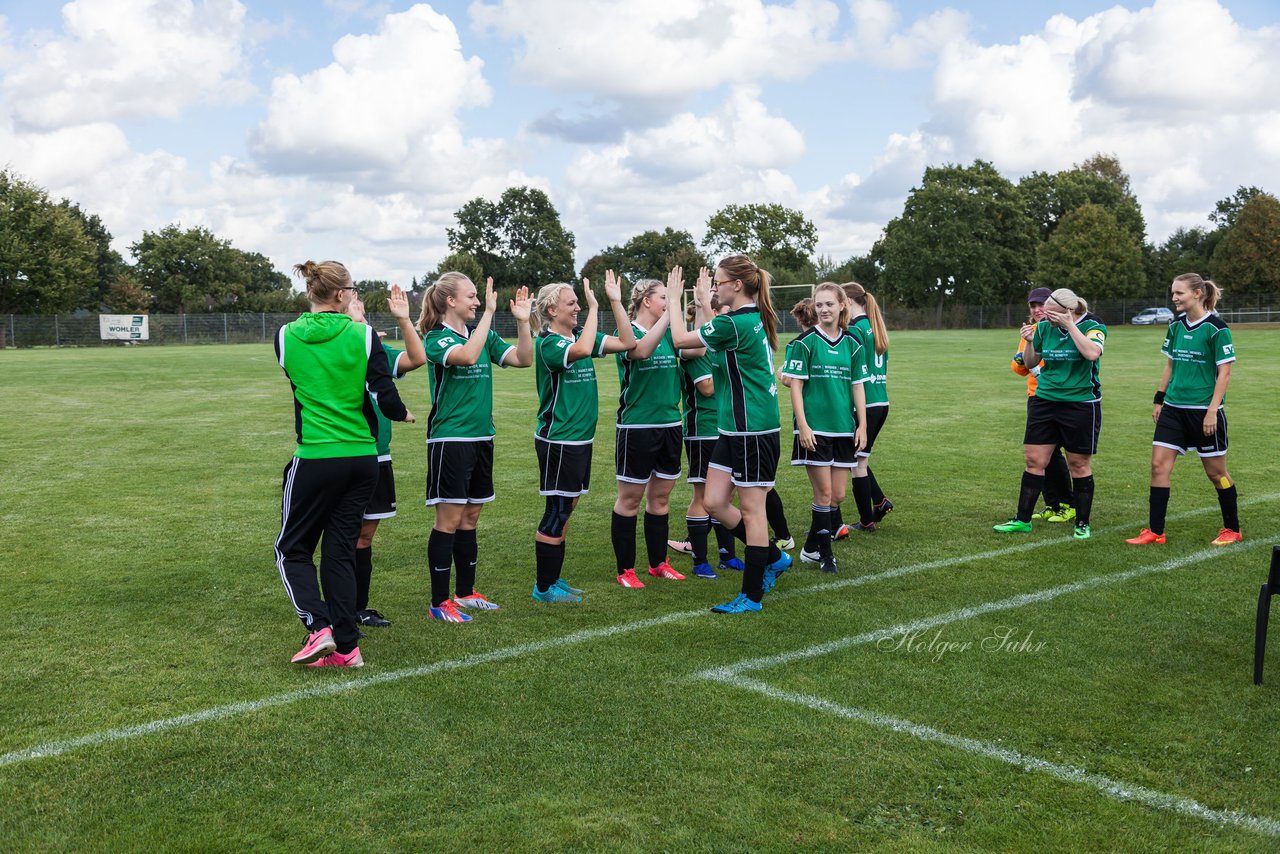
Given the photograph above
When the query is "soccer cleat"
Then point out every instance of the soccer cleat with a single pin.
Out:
(732, 563)
(566, 587)
(829, 565)
(317, 645)
(628, 579)
(554, 594)
(1145, 537)
(704, 570)
(1065, 513)
(1082, 531)
(869, 527)
(664, 570)
(740, 604)
(448, 612)
(683, 547)
(785, 545)
(774, 570)
(842, 532)
(1013, 526)
(883, 509)
(810, 557)
(338, 659)
(370, 617)
(476, 601)
(1049, 510)
(1226, 537)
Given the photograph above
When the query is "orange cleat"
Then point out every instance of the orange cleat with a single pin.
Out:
(628, 579)
(1146, 537)
(1227, 536)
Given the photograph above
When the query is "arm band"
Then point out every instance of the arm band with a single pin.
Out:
(1159, 398)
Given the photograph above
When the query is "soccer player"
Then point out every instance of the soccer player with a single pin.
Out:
(338, 373)
(647, 450)
(867, 324)
(568, 409)
(746, 453)
(1067, 407)
(825, 394)
(460, 429)
(383, 504)
(1189, 402)
(1057, 479)
(699, 399)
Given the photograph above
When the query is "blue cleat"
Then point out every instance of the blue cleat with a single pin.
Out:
(565, 587)
(740, 605)
(704, 570)
(733, 563)
(554, 594)
(774, 570)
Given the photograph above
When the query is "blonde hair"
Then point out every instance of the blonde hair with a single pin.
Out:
(548, 296)
(879, 332)
(640, 292)
(324, 279)
(842, 300)
(435, 301)
(691, 311)
(755, 284)
(1209, 292)
(1067, 298)
(804, 313)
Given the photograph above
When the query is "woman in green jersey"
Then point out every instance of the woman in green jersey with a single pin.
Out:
(1189, 412)
(826, 393)
(1067, 407)
(866, 323)
(699, 402)
(746, 453)
(568, 409)
(647, 447)
(460, 428)
(338, 373)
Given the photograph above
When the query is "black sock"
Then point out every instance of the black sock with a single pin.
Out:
(740, 530)
(1230, 510)
(877, 494)
(862, 498)
(1057, 481)
(757, 558)
(820, 529)
(439, 558)
(776, 514)
(623, 531)
(655, 537)
(1159, 501)
(1029, 494)
(699, 528)
(559, 562)
(811, 539)
(545, 555)
(364, 572)
(1082, 488)
(724, 540)
(837, 519)
(465, 554)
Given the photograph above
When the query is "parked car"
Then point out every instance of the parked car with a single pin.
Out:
(1148, 316)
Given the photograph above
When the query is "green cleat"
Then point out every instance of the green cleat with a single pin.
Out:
(1082, 532)
(1065, 513)
(1013, 526)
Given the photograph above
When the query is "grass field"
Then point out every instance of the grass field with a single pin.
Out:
(952, 689)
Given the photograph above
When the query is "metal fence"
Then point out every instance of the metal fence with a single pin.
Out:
(82, 330)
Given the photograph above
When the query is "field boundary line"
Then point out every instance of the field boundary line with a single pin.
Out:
(58, 747)
(1106, 785)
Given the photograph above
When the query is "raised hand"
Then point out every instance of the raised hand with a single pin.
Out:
(675, 288)
(398, 303)
(1028, 331)
(490, 296)
(612, 287)
(521, 306)
(702, 290)
(591, 297)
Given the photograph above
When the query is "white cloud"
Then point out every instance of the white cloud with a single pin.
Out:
(877, 37)
(129, 58)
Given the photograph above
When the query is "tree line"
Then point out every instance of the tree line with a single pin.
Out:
(966, 236)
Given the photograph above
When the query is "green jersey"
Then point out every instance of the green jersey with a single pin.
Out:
(875, 368)
(384, 423)
(461, 395)
(1195, 351)
(748, 400)
(699, 412)
(826, 367)
(650, 388)
(1065, 375)
(568, 401)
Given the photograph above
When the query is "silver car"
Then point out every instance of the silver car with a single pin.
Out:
(1149, 316)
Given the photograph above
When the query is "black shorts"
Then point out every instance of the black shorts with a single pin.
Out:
(828, 451)
(563, 469)
(750, 460)
(1183, 430)
(876, 416)
(383, 503)
(460, 472)
(641, 453)
(1074, 425)
(698, 452)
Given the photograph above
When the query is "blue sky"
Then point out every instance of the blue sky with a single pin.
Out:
(353, 130)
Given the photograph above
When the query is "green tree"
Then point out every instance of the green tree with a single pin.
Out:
(777, 238)
(1247, 260)
(46, 259)
(267, 289)
(1049, 198)
(126, 296)
(963, 237)
(1225, 211)
(1187, 250)
(108, 265)
(373, 293)
(1093, 255)
(651, 255)
(458, 262)
(190, 271)
(1107, 167)
(518, 240)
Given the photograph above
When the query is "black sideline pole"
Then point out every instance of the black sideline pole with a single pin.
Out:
(1268, 590)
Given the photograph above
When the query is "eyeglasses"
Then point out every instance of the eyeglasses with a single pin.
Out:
(716, 284)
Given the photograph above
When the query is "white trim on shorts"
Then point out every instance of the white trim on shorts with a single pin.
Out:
(431, 502)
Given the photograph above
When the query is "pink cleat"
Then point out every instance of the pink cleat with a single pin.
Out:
(338, 659)
(664, 570)
(317, 645)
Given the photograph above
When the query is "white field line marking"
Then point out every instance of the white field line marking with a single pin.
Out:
(1106, 785)
(1019, 601)
(57, 748)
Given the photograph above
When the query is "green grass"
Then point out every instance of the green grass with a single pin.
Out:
(140, 505)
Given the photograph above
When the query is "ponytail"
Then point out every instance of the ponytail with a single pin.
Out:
(805, 314)
(1209, 292)
(324, 279)
(879, 332)
(755, 284)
